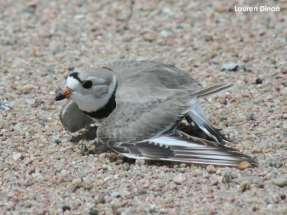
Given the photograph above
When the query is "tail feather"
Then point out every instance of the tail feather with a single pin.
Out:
(212, 90)
(197, 116)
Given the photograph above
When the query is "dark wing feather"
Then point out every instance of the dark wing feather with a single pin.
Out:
(197, 116)
(182, 149)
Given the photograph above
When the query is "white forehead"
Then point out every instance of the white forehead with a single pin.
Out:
(72, 83)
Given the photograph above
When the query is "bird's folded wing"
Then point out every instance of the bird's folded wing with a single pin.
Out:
(180, 149)
(135, 121)
(143, 113)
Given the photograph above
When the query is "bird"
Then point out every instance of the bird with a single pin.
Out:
(146, 110)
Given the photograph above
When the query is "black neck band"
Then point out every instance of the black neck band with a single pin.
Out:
(106, 110)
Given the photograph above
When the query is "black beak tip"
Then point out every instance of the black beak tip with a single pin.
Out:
(59, 96)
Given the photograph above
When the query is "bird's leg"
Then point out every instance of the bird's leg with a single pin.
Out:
(177, 124)
(99, 147)
(87, 147)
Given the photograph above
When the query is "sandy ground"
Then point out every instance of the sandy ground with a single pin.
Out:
(43, 172)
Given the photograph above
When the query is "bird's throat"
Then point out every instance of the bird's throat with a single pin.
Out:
(105, 111)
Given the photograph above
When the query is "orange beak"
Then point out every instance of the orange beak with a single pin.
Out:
(63, 94)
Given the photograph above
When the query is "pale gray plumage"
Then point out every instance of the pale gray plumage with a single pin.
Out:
(73, 118)
(151, 99)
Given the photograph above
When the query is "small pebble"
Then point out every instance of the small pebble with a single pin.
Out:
(71, 68)
(232, 67)
(227, 177)
(221, 8)
(115, 194)
(275, 163)
(149, 36)
(245, 185)
(100, 199)
(167, 11)
(57, 141)
(258, 81)
(244, 165)
(93, 211)
(26, 89)
(280, 182)
(179, 179)
(31, 6)
(166, 33)
(251, 117)
(214, 180)
(16, 156)
(210, 169)
(66, 208)
(75, 185)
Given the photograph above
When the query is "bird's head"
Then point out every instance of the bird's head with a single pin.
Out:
(89, 89)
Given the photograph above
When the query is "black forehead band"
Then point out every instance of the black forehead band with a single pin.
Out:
(75, 75)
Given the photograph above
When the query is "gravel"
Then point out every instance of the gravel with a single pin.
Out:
(44, 172)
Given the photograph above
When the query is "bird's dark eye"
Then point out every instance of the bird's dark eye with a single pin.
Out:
(87, 84)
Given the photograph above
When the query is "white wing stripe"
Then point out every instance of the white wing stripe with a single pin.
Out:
(169, 141)
(212, 157)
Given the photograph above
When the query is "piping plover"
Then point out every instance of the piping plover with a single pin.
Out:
(138, 106)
